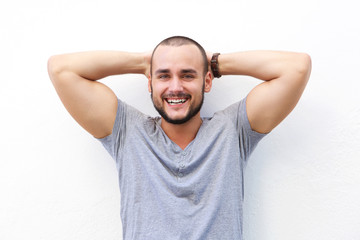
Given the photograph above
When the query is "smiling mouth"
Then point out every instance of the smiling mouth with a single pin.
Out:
(176, 101)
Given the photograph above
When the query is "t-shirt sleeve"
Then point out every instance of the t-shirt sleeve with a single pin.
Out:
(114, 142)
(248, 138)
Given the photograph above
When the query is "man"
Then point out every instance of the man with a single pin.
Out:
(180, 175)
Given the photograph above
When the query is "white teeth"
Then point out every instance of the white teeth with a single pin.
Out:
(176, 101)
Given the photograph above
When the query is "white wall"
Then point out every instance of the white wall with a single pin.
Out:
(57, 182)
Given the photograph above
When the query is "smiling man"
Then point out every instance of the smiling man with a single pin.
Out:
(176, 69)
(178, 79)
(180, 175)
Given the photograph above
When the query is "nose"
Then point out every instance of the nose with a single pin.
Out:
(175, 85)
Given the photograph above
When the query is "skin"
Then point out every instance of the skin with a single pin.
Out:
(285, 75)
(93, 105)
(179, 70)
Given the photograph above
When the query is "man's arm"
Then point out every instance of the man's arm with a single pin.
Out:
(285, 75)
(92, 104)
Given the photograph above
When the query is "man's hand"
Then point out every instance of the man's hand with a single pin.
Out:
(147, 60)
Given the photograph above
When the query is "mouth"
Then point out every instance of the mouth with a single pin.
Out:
(176, 101)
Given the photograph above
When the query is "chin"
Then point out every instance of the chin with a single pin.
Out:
(176, 120)
(191, 112)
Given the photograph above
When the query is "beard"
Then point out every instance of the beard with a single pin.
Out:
(193, 109)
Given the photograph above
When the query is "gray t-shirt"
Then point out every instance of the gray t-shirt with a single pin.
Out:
(172, 194)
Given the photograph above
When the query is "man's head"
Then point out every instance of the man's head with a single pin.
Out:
(177, 41)
(178, 79)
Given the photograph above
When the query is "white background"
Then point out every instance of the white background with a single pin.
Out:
(57, 182)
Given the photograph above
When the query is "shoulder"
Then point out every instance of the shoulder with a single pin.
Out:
(237, 115)
(130, 113)
(232, 111)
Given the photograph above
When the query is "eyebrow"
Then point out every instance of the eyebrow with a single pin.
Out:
(165, 70)
(162, 71)
(189, 71)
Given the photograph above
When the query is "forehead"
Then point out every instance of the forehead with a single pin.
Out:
(175, 57)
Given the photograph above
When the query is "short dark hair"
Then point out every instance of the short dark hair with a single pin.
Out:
(177, 41)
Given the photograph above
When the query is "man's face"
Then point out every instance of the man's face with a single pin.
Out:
(178, 84)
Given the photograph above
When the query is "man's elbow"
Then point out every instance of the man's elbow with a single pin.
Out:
(52, 67)
(55, 67)
(304, 66)
(52, 64)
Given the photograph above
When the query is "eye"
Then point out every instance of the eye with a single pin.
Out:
(188, 76)
(164, 76)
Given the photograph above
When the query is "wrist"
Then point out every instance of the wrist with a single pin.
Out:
(130, 63)
(146, 59)
(214, 64)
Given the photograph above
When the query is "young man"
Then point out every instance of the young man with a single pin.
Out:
(180, 175)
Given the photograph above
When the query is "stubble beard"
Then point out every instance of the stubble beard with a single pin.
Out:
(193, 110)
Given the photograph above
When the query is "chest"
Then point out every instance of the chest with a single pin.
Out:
(214, 153)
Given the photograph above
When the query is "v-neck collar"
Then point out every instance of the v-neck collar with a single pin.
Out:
(188, 148)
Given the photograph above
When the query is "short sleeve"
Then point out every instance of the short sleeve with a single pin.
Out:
(248, 138)
(114, 142)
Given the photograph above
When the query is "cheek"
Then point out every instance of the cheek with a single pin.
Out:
(197, 88)
(158, 88)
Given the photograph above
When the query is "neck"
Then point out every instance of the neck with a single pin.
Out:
(182, 134)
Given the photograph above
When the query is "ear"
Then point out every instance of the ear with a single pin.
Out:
(149, 83)
(208, 82)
